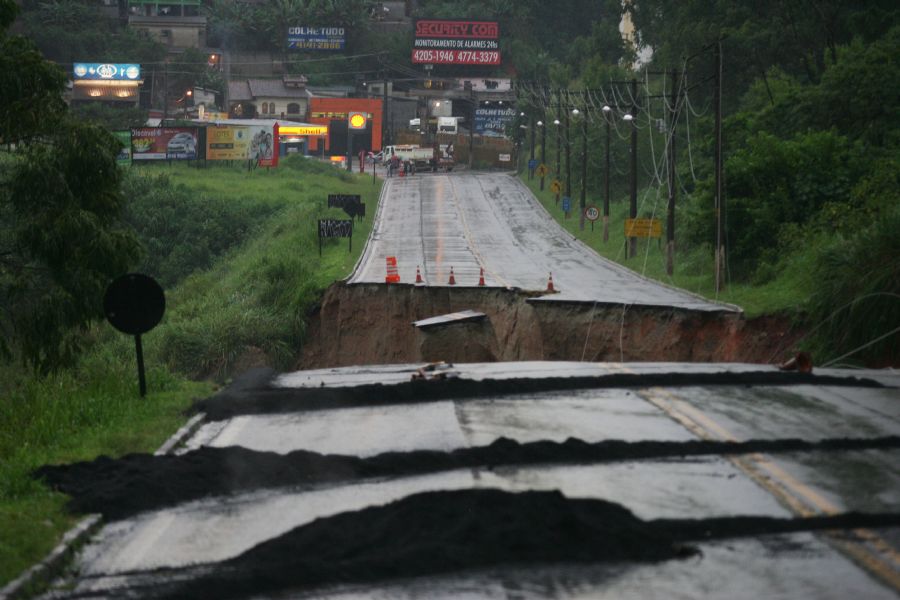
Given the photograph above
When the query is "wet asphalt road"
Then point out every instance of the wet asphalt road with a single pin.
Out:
(123, 555)
(470, 221)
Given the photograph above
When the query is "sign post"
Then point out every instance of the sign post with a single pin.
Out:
(135, 304)
(566, 205)
(335, 228)
(591, 214)
(556, 188)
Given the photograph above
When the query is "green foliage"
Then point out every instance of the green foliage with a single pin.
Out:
(857, 295)
(60, 238)
(772, 185)
(63, 242)
(181, 231)
(109, 117)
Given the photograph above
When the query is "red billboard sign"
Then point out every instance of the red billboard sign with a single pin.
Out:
(449, 42)
(164, 143)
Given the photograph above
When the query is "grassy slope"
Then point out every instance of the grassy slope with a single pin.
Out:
(694, 270)
(251, 297)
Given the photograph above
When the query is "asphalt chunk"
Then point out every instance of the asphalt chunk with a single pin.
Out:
(119, 488)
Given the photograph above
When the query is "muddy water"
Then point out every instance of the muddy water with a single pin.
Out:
(372, 324)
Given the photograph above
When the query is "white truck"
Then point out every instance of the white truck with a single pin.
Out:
(422, 157)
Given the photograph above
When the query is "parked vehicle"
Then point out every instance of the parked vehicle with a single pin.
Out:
(422, 157)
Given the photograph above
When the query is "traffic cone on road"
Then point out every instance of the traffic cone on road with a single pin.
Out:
(481, 277)
(550, 284)
(452, 278)
(418, 276)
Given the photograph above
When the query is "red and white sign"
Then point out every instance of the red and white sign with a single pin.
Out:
(456, 42)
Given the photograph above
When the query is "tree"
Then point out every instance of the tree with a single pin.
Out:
(61, 239)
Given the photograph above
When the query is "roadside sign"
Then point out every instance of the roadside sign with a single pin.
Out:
(555, 186)
(591, 213)
(542, 170)
(648, 228)
(566, 204)
(532, 164)
(504, 157)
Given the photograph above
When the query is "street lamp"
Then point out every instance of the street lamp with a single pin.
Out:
(543, 151)
(606, 111)
(583, 200)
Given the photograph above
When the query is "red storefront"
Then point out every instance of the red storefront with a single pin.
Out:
(333, 112)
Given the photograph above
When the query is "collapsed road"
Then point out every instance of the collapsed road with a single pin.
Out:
(533, 480)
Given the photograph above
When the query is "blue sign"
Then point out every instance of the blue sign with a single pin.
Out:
(532, 164)
(316, 38)
(493, 119)
(106, 71)
(567, 204)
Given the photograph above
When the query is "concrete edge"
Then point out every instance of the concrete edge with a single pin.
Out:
(363, 256)
(181, 435)
(53, 563)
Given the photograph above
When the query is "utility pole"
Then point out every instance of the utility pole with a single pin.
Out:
(543, 141)
(720, 202)
(385, 110)
(558, 117)
(632, 211)
(670, 214)
(531, 156)
(474, 103)
(582, 204)
(606, 182)
(568, 152)
(165, 91)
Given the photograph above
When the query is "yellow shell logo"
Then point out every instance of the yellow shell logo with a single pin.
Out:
(357, 121)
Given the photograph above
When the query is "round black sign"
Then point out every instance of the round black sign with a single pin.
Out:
(134, 303)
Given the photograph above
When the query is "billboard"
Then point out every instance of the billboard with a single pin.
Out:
(445, 42)
(164, 143)
(493, 119)
(316, 38)
(124, 157)
(243, 142)
(106, 72)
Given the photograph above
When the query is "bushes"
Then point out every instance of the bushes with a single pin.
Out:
(181, 230)
(857, 294)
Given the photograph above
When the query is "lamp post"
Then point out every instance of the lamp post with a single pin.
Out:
(632, 209)
(568, 152)
(543, 149)
(606, 110)
(582, 203)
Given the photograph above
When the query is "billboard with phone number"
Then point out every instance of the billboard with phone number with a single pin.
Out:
(164, 143)
(450, 42)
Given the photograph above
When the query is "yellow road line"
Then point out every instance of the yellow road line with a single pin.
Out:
(864, 546)
(471, 242)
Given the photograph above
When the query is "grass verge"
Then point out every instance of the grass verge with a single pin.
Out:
(253, 300)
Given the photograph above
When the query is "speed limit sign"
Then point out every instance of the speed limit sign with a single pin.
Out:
(591, 213)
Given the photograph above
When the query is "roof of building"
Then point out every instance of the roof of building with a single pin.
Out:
(250, 89)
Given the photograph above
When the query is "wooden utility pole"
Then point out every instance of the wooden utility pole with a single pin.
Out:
(670, 215)
(719, 200)
(531, 154)
(568, 152)
(632, 210)
(543, 140)
(583, 201)
(558, 123)
(606, 183)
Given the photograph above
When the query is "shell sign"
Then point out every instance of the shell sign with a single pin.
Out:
(357, 120)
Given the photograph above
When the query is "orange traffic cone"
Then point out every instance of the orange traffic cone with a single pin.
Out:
(418, 276)
(550, 284)
(481, 277)
(452, 278)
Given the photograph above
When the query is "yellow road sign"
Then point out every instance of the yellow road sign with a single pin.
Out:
(542, 170)
(649, 228)
(555, 186)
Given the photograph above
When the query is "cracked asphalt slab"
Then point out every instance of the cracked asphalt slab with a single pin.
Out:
(475, 221)
(809, 455)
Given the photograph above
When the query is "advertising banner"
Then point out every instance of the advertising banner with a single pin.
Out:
(124, 157)
(164, 143)
(456, 42)
(316, 38)
(242, 142)
(493, 119)
(106, 71)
